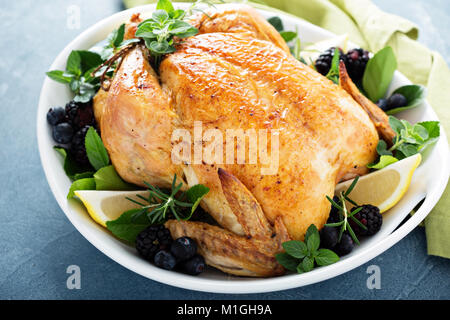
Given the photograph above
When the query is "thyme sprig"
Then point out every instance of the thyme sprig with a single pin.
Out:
(345, 215)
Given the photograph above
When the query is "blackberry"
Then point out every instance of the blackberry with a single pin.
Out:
(356, 62)
(56, 115)
(369, 216)
(80, 114)
(329, 237)
(323, 62)
(62, 133)
(164, 259)
(345, 246)
(152, 240)
(334, 212)
(194, 266)
(397, 100)
(183, 248)
(78, 148)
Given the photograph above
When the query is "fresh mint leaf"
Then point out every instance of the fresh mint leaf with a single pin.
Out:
(313, 241)
(296, 249)
(59, 76)
(312, 229)
(384, 161)
(378, 74)
(82, 184)
(89, 60)
(307, 264)
(288, 262)
(276, 23)
(326, 257)
(95, 150)
(107, 178)
(414, 94)
(288, 35)
(73, 64)
(128, 225)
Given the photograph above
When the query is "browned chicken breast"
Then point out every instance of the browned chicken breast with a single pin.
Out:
(237, 73)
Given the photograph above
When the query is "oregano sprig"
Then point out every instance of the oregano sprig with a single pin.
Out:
(303, 256)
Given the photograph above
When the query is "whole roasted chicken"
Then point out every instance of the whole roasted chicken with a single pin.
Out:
(238, 73)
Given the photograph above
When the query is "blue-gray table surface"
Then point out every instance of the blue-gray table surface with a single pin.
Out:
(38, 243)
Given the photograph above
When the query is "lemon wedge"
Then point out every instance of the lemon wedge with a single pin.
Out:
(105, 206)
(385, 187)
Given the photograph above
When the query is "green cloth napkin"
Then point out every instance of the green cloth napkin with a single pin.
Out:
(374, 29)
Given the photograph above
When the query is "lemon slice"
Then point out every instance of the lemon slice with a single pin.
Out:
(383, 188)
(105, 206)
(313, 51)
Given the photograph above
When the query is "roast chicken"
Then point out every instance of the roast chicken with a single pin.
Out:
(238, 73)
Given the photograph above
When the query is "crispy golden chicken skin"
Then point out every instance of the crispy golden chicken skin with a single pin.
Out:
(237, 73)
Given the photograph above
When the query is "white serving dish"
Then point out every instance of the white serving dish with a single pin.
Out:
(430, 179)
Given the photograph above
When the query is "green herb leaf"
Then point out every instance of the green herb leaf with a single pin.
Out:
(288, 35)
(383, 162)
(396, 124)
(296, 249)
(88, 174)
(414, 94)
(382, 148)
(128, 225)
(326, 257)
(59, 76)
(82, 184)
(333, 74)
(96, 151)
(312, 238)
(107, 178)
(73, 64)
(119, 35)
(276, 23)
(307, 264)
(378, 74)
(165, 5)
(195, 194)
(290, 263)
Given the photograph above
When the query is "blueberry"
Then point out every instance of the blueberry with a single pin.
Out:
(56, 115)
(329, 237)
(383, 104)
(194, 266)
(345, 246)
(164, 259)
(62, 133)
(183, 248)
(396, 101)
